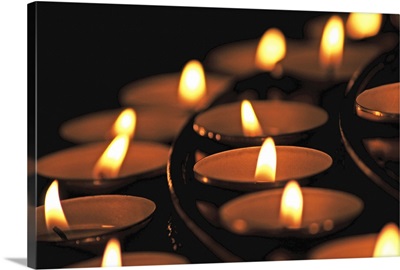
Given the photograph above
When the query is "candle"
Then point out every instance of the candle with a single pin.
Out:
(332, 60)
(363, 25)
(285, 121)
(246, 57)
(302, 59)
(113, 257)
(386, 243)
(245, 168)
(169, 89)
(380, 103)
(322, 211)
(155, 124)
(383, 149)
(86, 222)
(75, 166)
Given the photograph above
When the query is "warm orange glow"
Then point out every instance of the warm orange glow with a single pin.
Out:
(271, 49)
(250, 125)
(192, 85)
(125, 123)
(291, 206)
(266, 163)
(332, 43)
(363, 25)
(388, 242)
(111, 160)
(112, 254)
(53, 211)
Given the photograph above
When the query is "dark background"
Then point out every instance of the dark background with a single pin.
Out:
(87, 52)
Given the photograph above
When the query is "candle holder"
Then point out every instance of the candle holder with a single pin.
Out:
(162, 91)
(379, 104)
(359, 127)
(93, 220)
(384, 244)
(284, 121)
(234, 169)
(155, 124)
(325, 211)
(138, 259)
(301, 60)
(73, 167)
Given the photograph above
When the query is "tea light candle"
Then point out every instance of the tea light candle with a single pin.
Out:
(322, 212)
(86, 222)
(164, 90)
(138, 259)
(380, 104)
(114, 258)
(386, 243)
(285, 121)
(236, 169)
(155, 124)
(74, 167)
(302, 59)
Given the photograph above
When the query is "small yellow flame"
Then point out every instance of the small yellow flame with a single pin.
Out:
(125, 123)
(291, 206)
(266, 162)
(53, 211)
(112, 254)
(363, 25)
(110, 162)
(332, 43)
(388, 242)
(271, 49)
(250, 125)
(192, 85)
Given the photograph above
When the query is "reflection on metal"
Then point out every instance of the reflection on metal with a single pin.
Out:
(371, 174)
(210, 243)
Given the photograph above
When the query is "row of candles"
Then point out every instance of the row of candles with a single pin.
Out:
(162, 105)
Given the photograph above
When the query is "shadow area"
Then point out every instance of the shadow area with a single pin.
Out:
(20, 261)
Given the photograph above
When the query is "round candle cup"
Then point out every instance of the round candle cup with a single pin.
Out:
(380, 104)
(162, 90)
(301, 60)
(94, 219)
(234, 169)
(154, 124)
(304, 62)
(284, 121)
(73, 167)
(361, 246)
(138, 259)
(324, 212)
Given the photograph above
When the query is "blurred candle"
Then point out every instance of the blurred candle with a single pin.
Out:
(384, 244)
(363, 25)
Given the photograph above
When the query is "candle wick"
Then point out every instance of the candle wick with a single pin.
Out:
(331, 72)
(60, 233)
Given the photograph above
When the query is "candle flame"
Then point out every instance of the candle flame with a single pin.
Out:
(112, 254)
(53, 211)
(192, 85)
(388, 242)
(291, 205)
(125, 123)
(250, 125)
(271, 49)
(363, 25)
(110, 162)
(332, 43)
(266, 163)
